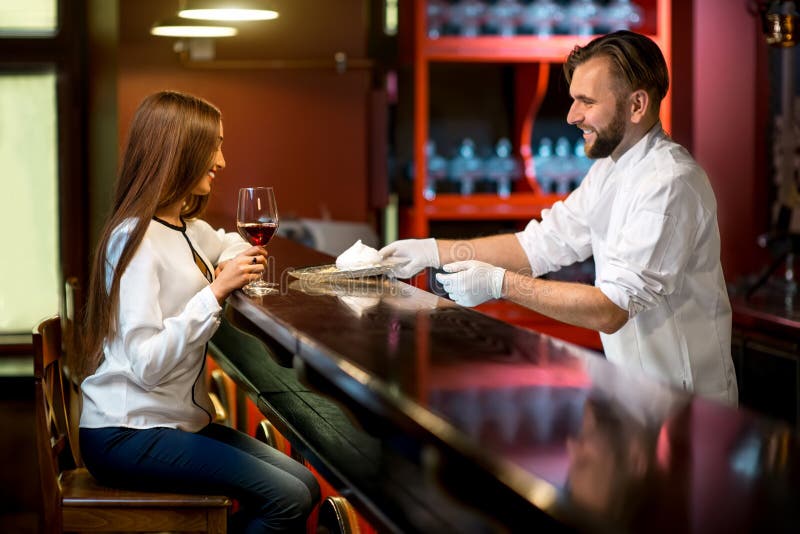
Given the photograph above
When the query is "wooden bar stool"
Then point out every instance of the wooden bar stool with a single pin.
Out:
(267, 433)
(220, 398)
(337, 516)
(73, 500)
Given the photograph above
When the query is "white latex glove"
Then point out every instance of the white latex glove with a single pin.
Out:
(420, 253)
(472, 282)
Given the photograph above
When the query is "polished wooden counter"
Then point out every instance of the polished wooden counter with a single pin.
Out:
(766, 349)
(434, 417)
(771, 309)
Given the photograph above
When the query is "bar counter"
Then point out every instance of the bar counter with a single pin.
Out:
(431, 417)
(766, 348)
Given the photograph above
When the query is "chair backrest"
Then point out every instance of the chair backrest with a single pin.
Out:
(71, 498)
(70, 342)
(52, 426)
(70, 314)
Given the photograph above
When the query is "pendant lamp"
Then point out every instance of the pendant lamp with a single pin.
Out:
(178, 27)
(227, 10)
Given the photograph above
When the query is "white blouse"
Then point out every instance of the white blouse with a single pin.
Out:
(650, 221)
(152, 371)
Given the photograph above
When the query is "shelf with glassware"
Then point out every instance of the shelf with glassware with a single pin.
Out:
(532, 57)
(516, 30)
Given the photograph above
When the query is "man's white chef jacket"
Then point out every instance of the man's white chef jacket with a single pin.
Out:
(650, 221)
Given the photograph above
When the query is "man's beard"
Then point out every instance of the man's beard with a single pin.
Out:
(609, 138)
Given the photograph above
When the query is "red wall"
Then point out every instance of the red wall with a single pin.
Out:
(303, 131)
(728, 134)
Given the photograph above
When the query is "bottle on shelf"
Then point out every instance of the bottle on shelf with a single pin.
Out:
(565, 170)
(583, 17)
(436, 167)
(622, 15)
(502, 168)
(502, 16)
(467, 17)
(542, 16)
(436, 14)
(466, 168)
(581, 161)
(543, 163)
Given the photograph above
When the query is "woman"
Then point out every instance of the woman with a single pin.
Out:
(154, 302)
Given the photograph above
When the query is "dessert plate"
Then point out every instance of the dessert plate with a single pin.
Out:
(328, 272)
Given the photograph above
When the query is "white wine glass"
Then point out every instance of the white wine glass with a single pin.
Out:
(257, 221)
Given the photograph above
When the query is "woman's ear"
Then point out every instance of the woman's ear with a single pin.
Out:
(640, 103)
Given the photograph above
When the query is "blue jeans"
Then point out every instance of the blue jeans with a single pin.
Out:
(275, 493)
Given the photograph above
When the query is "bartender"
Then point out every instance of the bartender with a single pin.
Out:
(645, 211)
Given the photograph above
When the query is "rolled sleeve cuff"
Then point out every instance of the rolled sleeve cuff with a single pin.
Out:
(526, 239)
(630, 290)
(618, 296)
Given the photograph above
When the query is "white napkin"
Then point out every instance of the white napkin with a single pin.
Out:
(358, 256)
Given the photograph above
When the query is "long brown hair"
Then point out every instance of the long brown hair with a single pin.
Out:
(170, 147)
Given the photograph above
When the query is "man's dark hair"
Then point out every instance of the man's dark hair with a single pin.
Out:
(637, 60)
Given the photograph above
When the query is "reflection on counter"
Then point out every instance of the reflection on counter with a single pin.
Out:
(363, 294)
(625, 452)
(766, 348)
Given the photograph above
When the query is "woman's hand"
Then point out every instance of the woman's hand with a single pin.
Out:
(237, 272)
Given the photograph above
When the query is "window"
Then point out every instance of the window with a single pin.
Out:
(390, 17)
(29, 272)
(27, 18)
(33, 79)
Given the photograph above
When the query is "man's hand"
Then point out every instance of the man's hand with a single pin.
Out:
(420, 253)
(472, 282)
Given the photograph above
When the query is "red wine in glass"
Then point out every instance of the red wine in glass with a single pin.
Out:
(257, 234)
(257, 222)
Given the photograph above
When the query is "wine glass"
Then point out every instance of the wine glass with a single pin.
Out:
(257, 222)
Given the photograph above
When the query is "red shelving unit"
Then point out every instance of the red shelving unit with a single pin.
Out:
(487, 206)
(534, 61)
(532, 58)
